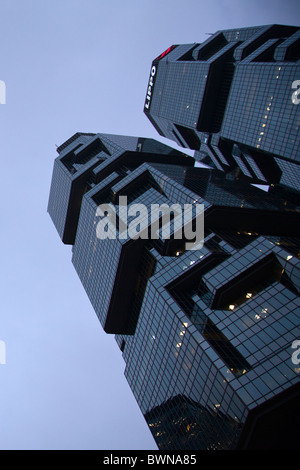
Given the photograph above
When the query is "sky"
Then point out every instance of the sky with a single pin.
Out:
(76, 66)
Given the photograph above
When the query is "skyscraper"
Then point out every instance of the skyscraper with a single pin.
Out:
(206, 333)
(234, 99)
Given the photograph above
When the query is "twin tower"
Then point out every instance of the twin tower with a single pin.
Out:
(209, 335)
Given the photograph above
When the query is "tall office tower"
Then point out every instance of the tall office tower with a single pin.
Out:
(208, 328)
(234, 99)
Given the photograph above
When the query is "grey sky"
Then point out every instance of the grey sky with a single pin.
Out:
(71, 66)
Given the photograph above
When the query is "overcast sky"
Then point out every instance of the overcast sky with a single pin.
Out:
(76, 66)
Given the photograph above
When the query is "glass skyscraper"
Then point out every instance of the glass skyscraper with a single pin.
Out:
(234, 99)
(209, 335)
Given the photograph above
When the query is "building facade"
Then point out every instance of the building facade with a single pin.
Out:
(234, 99)
(208, 334)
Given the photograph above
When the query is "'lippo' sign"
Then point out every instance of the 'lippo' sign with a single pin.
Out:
(150, 87)
(153, 75)
(176, 221)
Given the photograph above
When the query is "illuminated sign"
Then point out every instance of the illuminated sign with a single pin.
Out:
(150, 86)
(165, 52)
(152, 76)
